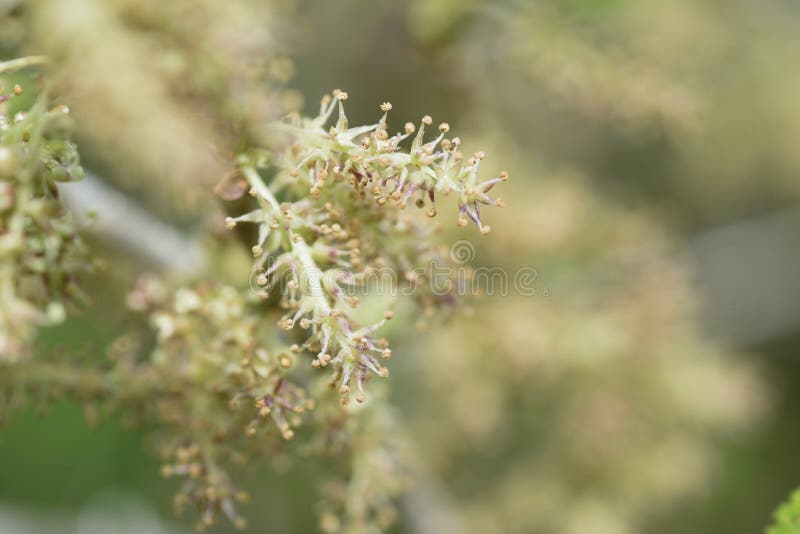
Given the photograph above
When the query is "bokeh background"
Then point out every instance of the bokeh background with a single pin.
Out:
(649, 384)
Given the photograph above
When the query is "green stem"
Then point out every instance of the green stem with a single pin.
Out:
(21, 63)
(261, 188)
(80, 380)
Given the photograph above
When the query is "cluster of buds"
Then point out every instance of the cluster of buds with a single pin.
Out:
(40, 250)
(225, 392)
(335, 212)
(376, 164)
(209, 339)
(205, 487)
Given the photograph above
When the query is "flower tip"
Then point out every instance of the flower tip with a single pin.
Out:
(485, 230)
(444, 127)
(427, 120)
(386, 106)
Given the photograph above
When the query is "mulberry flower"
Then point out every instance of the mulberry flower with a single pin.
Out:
(41, 253)
(335, 211)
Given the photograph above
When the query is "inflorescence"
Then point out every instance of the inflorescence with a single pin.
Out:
(335, 211)
(223, 389)
(40, 250)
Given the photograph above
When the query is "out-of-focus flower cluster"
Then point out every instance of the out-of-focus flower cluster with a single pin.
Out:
(592, 406)
(590, 60)
(40, 251)
(640, 107)
(192, 81)
(362, 497)
(342, 215)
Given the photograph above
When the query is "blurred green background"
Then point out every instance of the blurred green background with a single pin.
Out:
(650, 383)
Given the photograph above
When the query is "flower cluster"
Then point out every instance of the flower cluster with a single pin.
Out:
(335, 211)
(225, 392)
(362, 499)
(228, 395)
(40, 251)
(172, 90)
(221, 389)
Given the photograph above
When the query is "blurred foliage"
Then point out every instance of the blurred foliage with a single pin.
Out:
(41, 253)
(787, 516)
